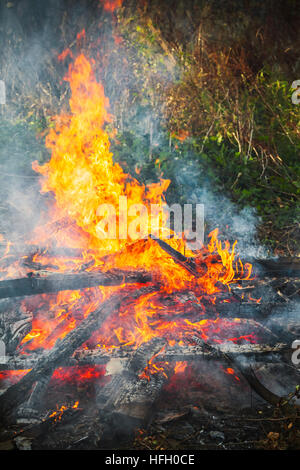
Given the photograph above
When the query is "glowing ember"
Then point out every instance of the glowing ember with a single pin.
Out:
(10, 377)
(77, 375)
(180, 367)
(57, 415)
(83, 176)
(231, 371)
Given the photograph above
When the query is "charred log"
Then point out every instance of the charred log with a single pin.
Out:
(270, 397)
(187, 263)
(278, 267)
(34, 284)
(94, 357)
(63, 349)
(281, 266)
(30, 410)
(127, 401)
(246, 370)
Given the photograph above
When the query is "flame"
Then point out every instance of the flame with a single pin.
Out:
(67, 52)
(180, 367)
(80, 35)
(82, 175)
(231, 371)
(111, 5)
(254, 300)
(57, 415)
(81, 171)
(77, 375)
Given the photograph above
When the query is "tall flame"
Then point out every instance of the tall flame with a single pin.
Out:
(81, 172)
(83, 176)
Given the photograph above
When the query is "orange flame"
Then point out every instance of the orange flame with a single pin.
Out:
(111, 5)
(180, 367)
(82, 175)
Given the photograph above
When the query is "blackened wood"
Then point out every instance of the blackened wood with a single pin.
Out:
(31, 408)
(176, 353)
(277, 267)
(187, 263)
(246, 369)
(122, 383)
(280, 266)
(126, 402)
(270, 397)
(244, 309)
(25, 253)
(187, 352)
(63, 349)
(25, 249)
(59, 282)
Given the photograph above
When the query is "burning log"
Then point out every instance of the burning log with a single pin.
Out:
(93, 357)
(18, 250)
(187, 263)
(34, 284)
(280, 267)
(126, 402)
(63, 349)
(25, 253)
(30, 410)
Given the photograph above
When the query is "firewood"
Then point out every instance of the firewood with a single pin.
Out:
(278, 267)
(32, 285)
(187, 263)
(121, 383)
(270, 397)
(281, 266)
(83, 357)
(246, 370)
(30, 410)
(25, 254)
(126, 402)
(63, 349)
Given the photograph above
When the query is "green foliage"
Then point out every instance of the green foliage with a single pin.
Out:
(19, 146)
(221, 78)
(243, 128)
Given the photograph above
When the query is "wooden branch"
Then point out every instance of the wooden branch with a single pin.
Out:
(93, 357)
(278, 267)
(33, 285)
(187, 263)
(270, 397)
(63, 349)
(281, 266)
(246, 370)
(126, 401)
(116, 391)
(31, 408)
